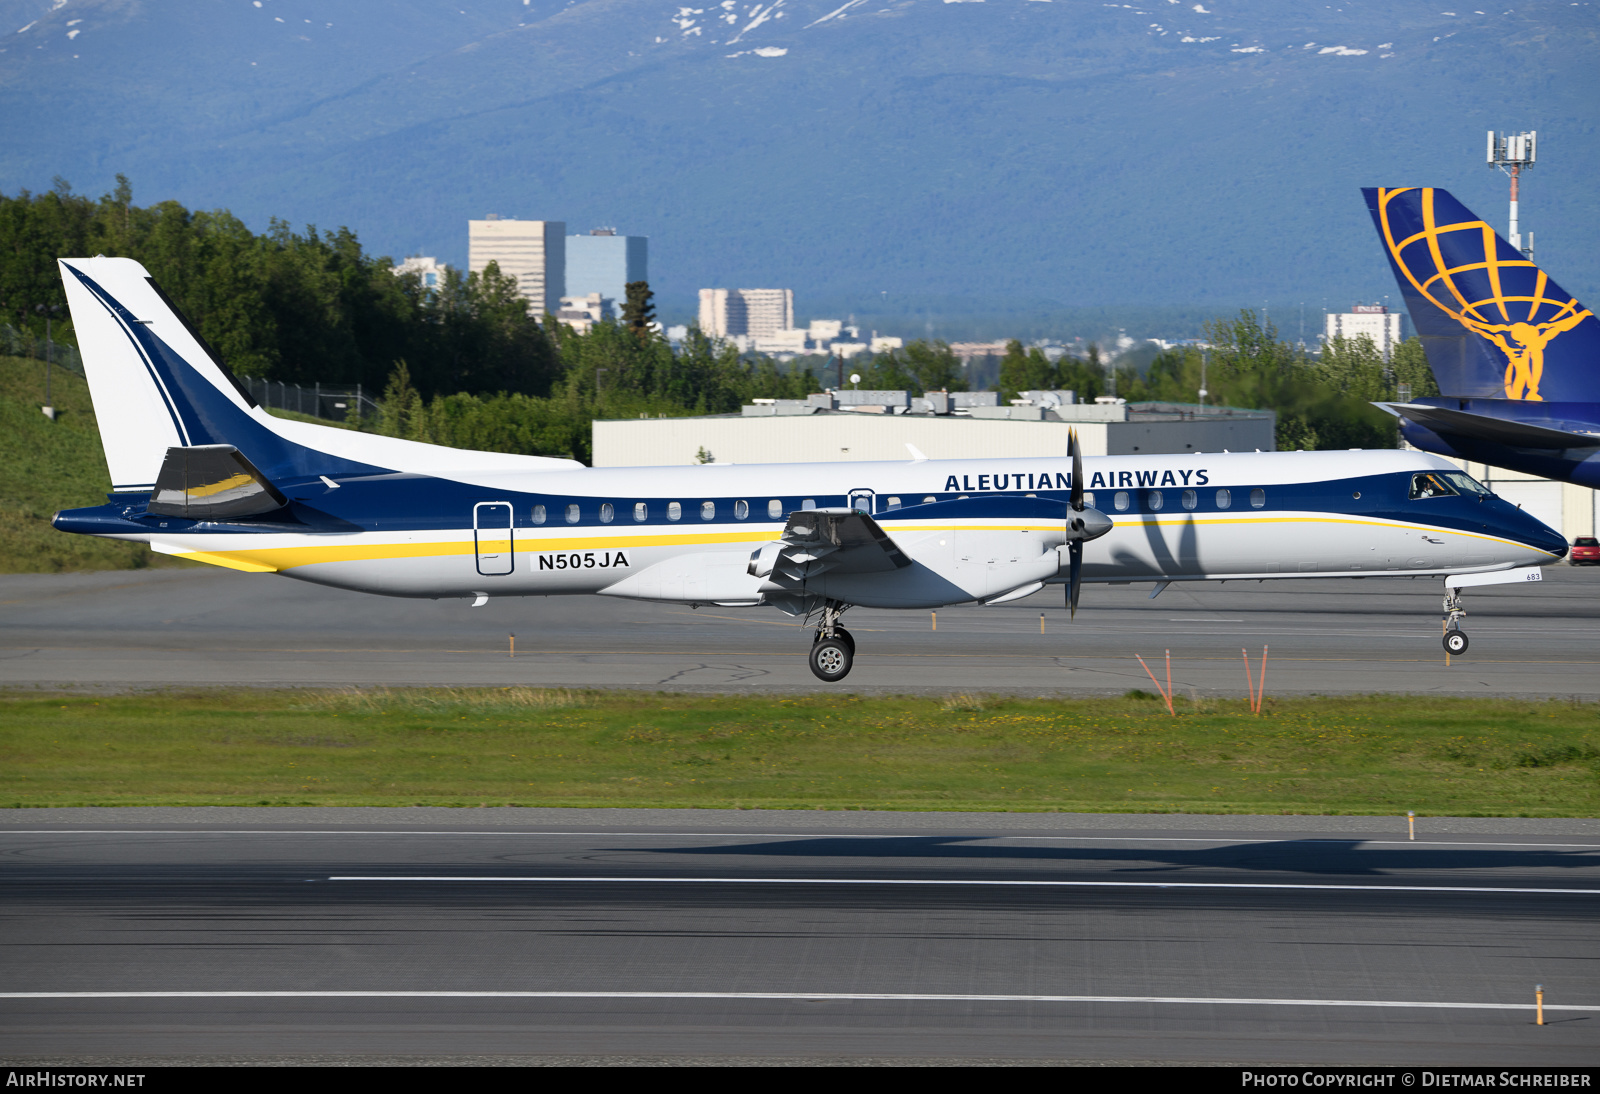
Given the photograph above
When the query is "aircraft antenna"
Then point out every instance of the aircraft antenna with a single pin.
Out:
(1512, 153)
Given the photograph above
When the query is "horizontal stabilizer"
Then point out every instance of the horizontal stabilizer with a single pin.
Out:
(1481, 427)
(212, 482)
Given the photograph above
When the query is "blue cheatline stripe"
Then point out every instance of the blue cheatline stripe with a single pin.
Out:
(885, 996)
(1004, 882)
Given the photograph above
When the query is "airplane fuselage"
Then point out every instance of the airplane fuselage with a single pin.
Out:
(686, 533)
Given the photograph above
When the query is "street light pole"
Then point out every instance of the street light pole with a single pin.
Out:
(48, 311)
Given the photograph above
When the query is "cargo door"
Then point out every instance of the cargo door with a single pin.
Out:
(491, 529)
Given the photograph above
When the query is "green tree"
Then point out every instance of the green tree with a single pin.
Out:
(639, 311)
(1024, 370)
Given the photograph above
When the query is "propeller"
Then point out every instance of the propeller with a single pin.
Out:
(1083, 524)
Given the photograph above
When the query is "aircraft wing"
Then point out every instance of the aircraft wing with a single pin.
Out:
(837, 541)
(1482, 427)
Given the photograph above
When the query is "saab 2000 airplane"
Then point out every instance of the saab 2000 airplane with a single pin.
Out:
(1516, 356)
(200, 471)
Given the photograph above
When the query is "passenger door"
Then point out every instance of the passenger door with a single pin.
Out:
(492, 535)
(862, 498)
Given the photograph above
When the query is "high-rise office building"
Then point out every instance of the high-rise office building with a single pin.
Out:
(604, 262)
(760, 313)
(1374, 320)
(532, 251)
(429, 270)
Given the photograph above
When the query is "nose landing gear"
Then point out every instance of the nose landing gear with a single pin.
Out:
(833, 650)
(1455, 639)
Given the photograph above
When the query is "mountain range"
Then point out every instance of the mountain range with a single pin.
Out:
(903, 160)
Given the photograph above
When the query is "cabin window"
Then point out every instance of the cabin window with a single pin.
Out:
(809, 503)
(641, 511)
(538, 514)
(741, 509)
(1190, 499)
(1224, 498)
(1258, 498)
(893, 503)
(1430, 485)
(929, 500)
(572, 514)
(607, 513)
(1120, 502)
(674, 511)
(1088, 499)
(1154, 500)
(708, 509)
(774, 509)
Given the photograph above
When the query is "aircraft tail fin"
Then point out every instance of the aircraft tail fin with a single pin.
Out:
(1492, 323)
(156, 386)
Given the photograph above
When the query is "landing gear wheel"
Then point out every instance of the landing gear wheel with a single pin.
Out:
(831, 659)
(1455, 642)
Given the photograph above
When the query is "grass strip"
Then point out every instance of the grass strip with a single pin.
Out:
(525, 746)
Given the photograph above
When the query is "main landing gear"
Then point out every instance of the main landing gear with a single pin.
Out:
(833, 650)
(1455, 639)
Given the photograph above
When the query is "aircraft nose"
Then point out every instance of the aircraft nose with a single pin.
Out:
(1539, 535)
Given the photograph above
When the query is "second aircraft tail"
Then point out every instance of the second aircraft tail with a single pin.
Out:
(1494, 325)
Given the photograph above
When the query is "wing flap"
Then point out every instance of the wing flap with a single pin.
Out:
(827, 541)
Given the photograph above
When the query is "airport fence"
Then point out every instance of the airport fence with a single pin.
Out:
(20, 343)
(335, 404)
(331, 402)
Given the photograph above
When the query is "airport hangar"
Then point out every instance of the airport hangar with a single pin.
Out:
(878, 425)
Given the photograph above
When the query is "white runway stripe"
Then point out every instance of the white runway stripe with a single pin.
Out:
(1223, 840)
(975, 882)
(908, 997)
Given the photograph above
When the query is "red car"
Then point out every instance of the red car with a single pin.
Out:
(1585, 552)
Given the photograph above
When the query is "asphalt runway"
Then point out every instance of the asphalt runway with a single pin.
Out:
(183, 627)
(584, 935)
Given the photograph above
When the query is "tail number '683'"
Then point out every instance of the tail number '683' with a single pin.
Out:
(583, 560)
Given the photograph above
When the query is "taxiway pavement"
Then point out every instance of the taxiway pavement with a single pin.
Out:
(451, 934)
(185, 627)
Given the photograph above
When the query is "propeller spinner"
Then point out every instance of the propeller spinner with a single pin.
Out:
(1083, 524)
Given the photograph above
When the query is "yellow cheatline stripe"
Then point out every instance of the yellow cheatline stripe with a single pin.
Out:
(232, 560)
(274, 559)
(1179, 521)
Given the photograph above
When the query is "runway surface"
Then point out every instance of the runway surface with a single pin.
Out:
(442, 934)
(180, 627)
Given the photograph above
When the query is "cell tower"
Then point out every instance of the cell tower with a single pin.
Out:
(1511, 152)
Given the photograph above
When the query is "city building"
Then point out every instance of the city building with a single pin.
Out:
(604, 262)
(759, 313)
(429, 270)
(1374, 320)
(532, 251)
(581, 313)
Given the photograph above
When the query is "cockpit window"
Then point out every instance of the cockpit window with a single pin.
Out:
(1466, 483)
(1430, 484)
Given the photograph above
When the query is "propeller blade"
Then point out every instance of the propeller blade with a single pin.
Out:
(1074, 575)
(1076, 452)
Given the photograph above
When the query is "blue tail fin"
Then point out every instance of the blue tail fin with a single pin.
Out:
(1493, 324)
